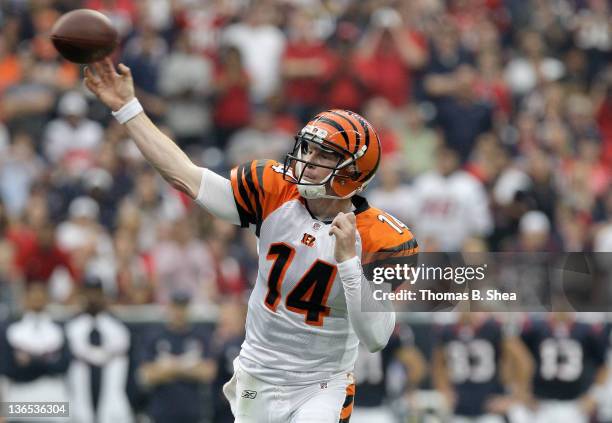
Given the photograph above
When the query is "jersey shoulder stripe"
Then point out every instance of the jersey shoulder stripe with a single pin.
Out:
(384, 236)
(259, 188)
(385, 242)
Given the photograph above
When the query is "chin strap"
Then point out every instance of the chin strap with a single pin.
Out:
(313, 192)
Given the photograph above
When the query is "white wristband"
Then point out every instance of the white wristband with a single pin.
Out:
(128, 111)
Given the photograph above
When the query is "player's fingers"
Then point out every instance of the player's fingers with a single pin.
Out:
(336, 219)
(91, 80)
(91, 86)
(109, 67)
(334, 230)
(98, 69)
(87, 72)
(342, 220)
(341, 231)
(351, 217)
(124, 70)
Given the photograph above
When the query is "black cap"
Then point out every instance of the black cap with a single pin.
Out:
(181, 297)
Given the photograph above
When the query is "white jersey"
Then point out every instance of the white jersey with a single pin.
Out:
(297, 329)
(449, 209)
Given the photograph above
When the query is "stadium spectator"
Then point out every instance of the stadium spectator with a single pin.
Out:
(36, 356)
(20, 167)
(261, 44)
(40, 257)
(305, 65)
(481, 371)
(343, 87)
(446, 51)
(569, 361)
(175, 362)
(10, 66)
(262, 138)
(106, 190)
(150, 204)
(535, 233)
(88, 243)
(184, 82)
(227, 338)
(388, 55)
(531, 67)
(461, 115)
(591, 32)
(10, 279)
(228, 259)
(182, 261)
(99, 343)
(72, 139)
(231, 103)
(379, 112)
(135, 275)
(449, 204)
(491, 87)
(144, 53)
(391, 194)
(605, 407)
(418, 142)
(389, 374)
(27, 104)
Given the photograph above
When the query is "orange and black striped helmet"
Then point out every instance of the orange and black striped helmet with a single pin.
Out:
(354, 141)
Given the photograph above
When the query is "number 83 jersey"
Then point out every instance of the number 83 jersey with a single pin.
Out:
(297, 329)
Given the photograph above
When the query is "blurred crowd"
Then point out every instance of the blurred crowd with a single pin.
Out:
(495, 118)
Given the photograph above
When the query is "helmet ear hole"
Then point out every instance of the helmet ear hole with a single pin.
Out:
(351, 172)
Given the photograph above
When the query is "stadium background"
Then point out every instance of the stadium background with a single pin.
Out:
(520, 92)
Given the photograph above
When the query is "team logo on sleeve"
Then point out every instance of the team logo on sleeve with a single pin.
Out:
(308, 240)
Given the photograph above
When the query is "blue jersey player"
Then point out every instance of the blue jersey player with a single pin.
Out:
(569, 362)
(471, 367)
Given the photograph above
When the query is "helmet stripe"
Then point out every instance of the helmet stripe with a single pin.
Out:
(338, 127)
(357, 134)
(366, 130)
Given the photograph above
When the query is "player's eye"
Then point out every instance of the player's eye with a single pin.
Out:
(328, 156)
(304, 147)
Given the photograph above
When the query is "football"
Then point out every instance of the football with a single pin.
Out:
(84, 36)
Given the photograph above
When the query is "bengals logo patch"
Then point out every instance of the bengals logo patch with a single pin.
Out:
(308, 240)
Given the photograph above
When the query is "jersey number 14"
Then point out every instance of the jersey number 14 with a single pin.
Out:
(309, 297)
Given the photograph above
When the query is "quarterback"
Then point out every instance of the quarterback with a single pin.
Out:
(305, 314)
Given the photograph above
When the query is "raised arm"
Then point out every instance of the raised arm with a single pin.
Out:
(116, 90)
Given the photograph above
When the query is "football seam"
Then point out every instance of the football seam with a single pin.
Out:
(81, 40)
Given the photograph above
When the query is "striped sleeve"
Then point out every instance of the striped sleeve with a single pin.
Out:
(259, 188)
(248, 192)
(385, 245)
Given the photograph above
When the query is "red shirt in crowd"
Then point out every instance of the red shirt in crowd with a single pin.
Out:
(36, 262)
(307, 91)
(385, 73)
(344, 88)
(604, 121)
(232, 108)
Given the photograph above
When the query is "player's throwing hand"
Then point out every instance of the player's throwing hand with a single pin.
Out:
(343, 227)
(112, 88)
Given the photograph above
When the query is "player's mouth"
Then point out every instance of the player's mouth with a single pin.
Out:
(309, 177)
